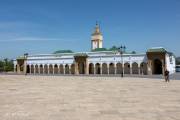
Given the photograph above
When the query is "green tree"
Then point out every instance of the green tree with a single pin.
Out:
(178, 61)
(114, 48)
(133, 52)
(6, 65)
(1, 66)
(63, 51)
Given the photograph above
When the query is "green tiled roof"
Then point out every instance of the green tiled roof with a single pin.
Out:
(63, 51)
(21, 58)
(99, 49)
(81, 54)
(160, 49)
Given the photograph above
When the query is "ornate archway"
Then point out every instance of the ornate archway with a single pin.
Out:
(81, 68)
(81, 63)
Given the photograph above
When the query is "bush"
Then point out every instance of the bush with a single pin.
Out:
(6, 65)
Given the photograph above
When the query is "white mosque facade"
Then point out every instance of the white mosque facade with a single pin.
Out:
(154, 61)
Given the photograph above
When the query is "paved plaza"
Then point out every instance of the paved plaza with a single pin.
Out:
(88, 98)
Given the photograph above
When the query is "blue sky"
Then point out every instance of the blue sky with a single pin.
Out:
(44, 26)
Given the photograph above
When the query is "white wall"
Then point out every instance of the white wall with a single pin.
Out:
(117, 59)
(170, 64)
(93, 58)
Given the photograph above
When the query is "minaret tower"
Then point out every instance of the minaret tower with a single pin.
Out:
(96, 38)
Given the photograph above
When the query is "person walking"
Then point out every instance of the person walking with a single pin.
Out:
(166, 74)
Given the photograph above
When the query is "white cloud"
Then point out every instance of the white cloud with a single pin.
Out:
(36, 39)
(18, 31)
(15, 24)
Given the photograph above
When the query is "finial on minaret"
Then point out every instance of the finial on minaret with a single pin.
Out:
(98, 24)
(97, 29)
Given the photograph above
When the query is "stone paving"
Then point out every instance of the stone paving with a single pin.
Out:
(88, 98)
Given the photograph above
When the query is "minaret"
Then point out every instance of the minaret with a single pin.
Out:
(96, 38)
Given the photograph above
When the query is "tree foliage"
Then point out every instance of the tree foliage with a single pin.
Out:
(6, 65)
(63, 51)
(113, 48)
(133, 52)
(178, 61)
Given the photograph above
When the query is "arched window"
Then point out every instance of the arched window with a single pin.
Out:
(91, 68)
(126, 68)
(119, 68)
(135, 68)
(104, 68)
(111, 68)
(98, 68)
(55, 69)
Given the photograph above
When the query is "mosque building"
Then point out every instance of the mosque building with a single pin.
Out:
(155, 61)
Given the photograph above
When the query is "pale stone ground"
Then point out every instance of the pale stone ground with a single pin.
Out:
(87, 98)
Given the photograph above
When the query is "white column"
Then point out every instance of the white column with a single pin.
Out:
(108, 68)
(14, 68)
(48, 68)
(53, 68)
(34, 69)
(69, 69)
(139, 68)
(39, 69)
(123, 68)
(115, 68)
(94, 69)
(101, 68)
(64, 72)
(29, 69)
(130, 65)
(43, 69)
(58, 69)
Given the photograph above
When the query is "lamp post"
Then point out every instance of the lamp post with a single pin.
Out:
(25, 67)
(25, 55)
(121, 50)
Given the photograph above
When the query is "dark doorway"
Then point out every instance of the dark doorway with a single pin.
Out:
(28, 69)
(157, 66)
(98, 69)
(81, 68)
(16, 68)
(91, 68)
